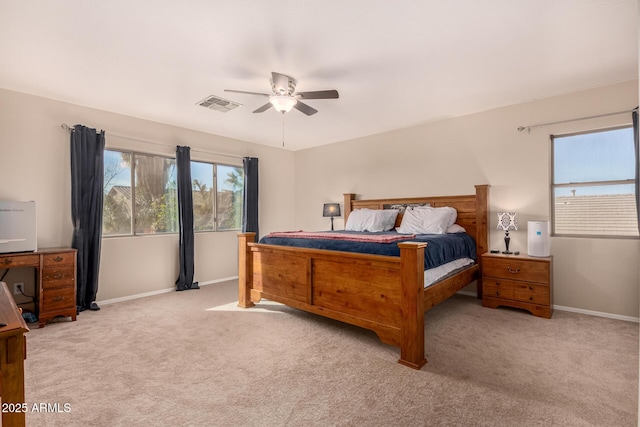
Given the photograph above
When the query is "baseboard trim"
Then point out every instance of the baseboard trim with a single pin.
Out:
(581, 311)
(161, 291)
(597, 313)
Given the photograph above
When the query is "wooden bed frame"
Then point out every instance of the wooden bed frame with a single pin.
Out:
(382, 293)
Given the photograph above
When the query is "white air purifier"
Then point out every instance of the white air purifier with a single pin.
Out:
(538, 238)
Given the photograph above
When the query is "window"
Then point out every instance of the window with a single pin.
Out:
(203, 196)
(156, 195)
(155, 209)
(225, 201)
(230, 196)
(593, 184)
(216, 189)
(116, 211)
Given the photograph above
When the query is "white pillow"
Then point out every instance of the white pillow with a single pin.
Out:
(453, 215)
(456, 228)
(427, 220)
(390, 216)
(452, 212)
(371, 220)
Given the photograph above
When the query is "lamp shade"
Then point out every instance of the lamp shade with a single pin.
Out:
(331, 209)
(283, 103)
(507, 221)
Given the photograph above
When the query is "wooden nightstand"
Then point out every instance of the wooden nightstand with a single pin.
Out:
(519, 281)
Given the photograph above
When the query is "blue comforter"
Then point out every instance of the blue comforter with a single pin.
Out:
(441, 248)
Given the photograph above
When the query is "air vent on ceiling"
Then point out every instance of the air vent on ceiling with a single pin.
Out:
(219, 104)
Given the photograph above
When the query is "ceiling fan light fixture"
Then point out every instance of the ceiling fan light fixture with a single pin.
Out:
(283, 103)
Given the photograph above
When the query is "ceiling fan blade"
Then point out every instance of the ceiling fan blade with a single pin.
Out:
(249, 93)
(318, 94)
(301, 106)
(264, 108)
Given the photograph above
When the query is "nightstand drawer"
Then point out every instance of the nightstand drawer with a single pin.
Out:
(497, 288)
(58, 299)
(516, 269)
(535, 294)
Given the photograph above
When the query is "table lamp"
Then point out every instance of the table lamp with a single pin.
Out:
(507, 221)
(331, 210)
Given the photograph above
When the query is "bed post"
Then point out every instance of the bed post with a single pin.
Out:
(482, 225)
(412, 304)
(245, 269)
(348, 197)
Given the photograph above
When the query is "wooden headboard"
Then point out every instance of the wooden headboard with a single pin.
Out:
(473, 210)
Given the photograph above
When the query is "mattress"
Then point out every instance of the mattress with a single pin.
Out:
(433, 275)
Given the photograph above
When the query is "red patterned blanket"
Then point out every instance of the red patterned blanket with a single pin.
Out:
(371, 238)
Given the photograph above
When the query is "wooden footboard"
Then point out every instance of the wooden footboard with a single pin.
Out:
(380, 293)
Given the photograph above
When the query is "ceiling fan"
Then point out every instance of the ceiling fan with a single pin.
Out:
(285, 97)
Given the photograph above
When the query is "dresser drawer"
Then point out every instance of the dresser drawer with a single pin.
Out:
(20, 261)
(62, 258)
(58, 299)
(57, 277)
(516, 269)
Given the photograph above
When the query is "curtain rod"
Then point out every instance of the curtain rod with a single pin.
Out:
(528, 128)
(70, 129)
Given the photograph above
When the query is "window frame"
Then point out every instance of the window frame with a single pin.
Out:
(133, 193)
(132, 178)
(216, 224)
(553, 186)
(132, 182)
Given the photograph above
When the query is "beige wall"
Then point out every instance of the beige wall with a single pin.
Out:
(450, 156)
(35, 166)
(443, 157)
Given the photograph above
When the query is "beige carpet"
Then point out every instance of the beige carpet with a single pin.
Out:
(193, 359)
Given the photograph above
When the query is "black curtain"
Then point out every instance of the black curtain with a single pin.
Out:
(87, 175)
(185, 216)
(634, 116)
(250, 205)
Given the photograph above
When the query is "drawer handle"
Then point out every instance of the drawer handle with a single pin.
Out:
(497, 292)
(58, 258)
(7, 261)
(516, 271)
(497, 283)
(530, 288)
(58, 276)
(58, 298)
(530, 298)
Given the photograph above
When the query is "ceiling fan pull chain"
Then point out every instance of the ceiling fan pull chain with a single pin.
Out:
(283, 130)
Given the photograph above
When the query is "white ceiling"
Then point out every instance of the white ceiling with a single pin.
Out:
(394, 63)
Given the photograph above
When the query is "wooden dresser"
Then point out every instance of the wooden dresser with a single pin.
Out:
(55, 283)
(519, 281)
